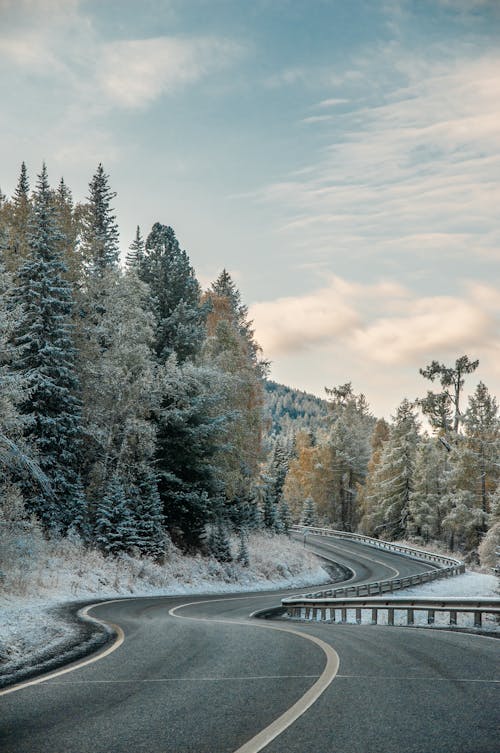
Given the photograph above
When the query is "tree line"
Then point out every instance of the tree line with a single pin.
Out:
(131, 400)
(134, 406)
(392, 479)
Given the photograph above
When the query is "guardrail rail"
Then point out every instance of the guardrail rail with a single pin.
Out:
(335, 604)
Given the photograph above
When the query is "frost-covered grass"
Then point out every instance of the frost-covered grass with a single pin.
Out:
(40, 574)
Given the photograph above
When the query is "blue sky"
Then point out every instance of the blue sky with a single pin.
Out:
(340, 158)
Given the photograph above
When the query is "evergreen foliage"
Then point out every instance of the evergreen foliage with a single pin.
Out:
(309, 516)
(166, 268)
(99, 241)
(46, 359)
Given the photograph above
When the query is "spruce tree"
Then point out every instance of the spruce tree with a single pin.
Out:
(99, 241)
(148, 534)
(114, 526)
(285, 517)
(18, 214)
(308, 517)
(135, 254)
(46, 359)
(166, 268)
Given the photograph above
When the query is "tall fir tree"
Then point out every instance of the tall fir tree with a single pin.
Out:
(46, 359)
(17, 214)
(99, 233)
(175, 291)
(135, 253)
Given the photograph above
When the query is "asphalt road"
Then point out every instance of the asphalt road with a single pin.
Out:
(196, 675)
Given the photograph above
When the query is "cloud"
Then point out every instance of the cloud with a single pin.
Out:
(412, 162)
(135, 72)
(382, 323)
(296, 323)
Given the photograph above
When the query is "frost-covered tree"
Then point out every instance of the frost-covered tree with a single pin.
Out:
(285, 518)
(243, 557)
(231, 349)
(189, 430)
(482, 434)
(46, 360)
(120, 383)
(135, 253)
(68, 221)
(16, 216)
(309, 515)
(148, 534)
(99, 233)
(218, 542)
(427, 506)
(269, 508)
(392, 481)
(175, 291)
(114, 525)
(443, 409)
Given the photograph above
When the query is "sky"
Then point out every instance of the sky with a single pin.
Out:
(341, 158)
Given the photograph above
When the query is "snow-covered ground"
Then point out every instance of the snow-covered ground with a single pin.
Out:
(41, 576)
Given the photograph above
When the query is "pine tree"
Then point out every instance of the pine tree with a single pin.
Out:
(309, 517)
(166, 268)
(46, 359)
(219, 545)
(69, 228)
(443, 409)
(482, 432)
(285, 517)
(243, 557)
(189, 431)
(269, 509)
(135, 254)
(393, 478)
(231, 349)
(114, 526)
(99, 241)
(426, 507)
(17, 213)
(147, 518)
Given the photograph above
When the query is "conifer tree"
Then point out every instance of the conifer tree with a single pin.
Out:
(99, 236)
(443, 409)
(219, 545)
(393, 478)
(243, 557)
(166, 268)
(46, 359)
(135, 254)
(114, 527)
(147, 519)
(285, 517)
(309, 516)
(69, 228)
(17, 213)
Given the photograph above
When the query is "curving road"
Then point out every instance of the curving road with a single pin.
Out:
(197, 675)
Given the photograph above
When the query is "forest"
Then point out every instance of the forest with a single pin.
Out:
(135, 408)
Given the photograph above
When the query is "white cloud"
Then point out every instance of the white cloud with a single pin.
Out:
(416, 164)
(135, 72)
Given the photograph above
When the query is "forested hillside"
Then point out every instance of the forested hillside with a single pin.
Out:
(135, 411)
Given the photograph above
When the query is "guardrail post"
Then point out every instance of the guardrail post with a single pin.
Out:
(344, 614)
(358, 615)
(477, 619)
(374, 616)
(430, 616)
(410, 617)
(390, 616)
(453, 617)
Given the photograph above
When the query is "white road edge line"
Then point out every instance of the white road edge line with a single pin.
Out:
(364, 557)
(279, 725)
(120, 637)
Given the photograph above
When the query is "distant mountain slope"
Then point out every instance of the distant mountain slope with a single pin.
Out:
(291, 409)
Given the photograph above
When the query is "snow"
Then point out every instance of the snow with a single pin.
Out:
(468, 585)
(45, 575)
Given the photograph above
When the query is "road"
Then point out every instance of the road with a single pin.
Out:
(197, 675)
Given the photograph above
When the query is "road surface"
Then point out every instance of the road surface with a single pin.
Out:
(198, 675)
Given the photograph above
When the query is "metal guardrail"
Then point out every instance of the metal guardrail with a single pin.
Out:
(444, 567)
(329, 610)
(332, 605)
